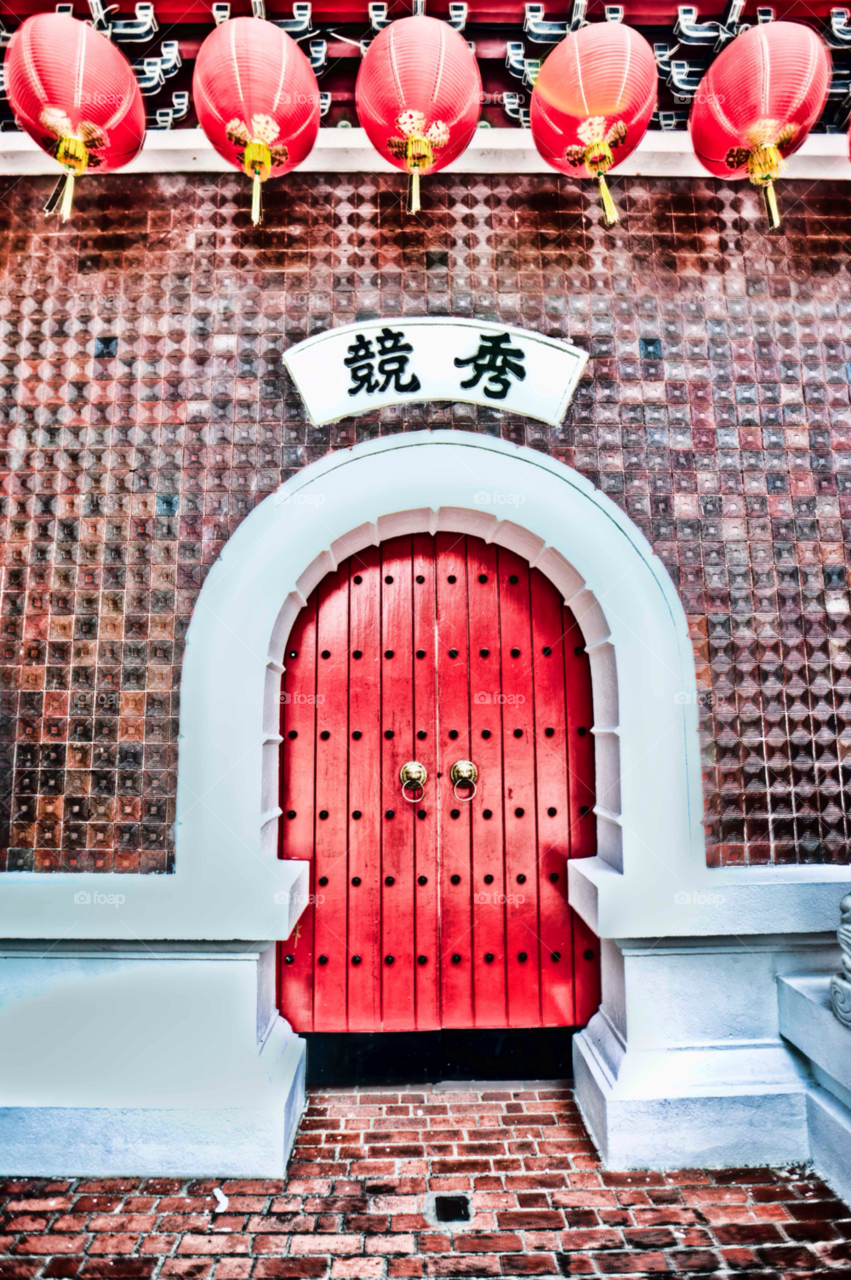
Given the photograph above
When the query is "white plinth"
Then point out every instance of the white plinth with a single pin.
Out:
(685, 1064)
(807, 1021)
(118, 1060)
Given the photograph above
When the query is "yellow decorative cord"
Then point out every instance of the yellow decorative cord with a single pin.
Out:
(598, 161)
(73, 154)
(257, 163)
(419, 154)
(765, 163)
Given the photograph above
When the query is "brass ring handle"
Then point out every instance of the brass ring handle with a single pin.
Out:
(463, 773)
(467, 783)
(413, 775)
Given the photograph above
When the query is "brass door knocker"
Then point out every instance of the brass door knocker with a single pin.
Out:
(463, 774)
(413, 775)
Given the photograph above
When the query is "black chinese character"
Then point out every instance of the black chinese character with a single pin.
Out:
(497, 362)
(393, 356)
(360, 359)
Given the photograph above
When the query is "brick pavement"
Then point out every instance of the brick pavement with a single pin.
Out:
(359, 1202)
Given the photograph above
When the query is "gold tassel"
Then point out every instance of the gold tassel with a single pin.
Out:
(764, 164)
(771, 209)
(419, 154)
(598, 161)
(257, 164)
(414, 205)
(61, 197)
(609, 211)
(67, 197)
(73, 154)
(256, 200)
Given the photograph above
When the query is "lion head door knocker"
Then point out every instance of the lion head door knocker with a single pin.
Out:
(413, 778)
(464, 774)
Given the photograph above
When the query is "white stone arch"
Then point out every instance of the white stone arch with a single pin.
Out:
(645, 714)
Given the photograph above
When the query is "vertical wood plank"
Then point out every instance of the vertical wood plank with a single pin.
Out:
(364, 756)
(297, 781)
(426, 863)
(557, 993)
(453, 707)
(518, 746)
(332, 680)
(397, 747)
(486, 810)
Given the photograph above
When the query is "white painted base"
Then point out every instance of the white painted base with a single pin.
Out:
(687, 1107)
(830, 1140)
(685, 1064)
(133, 1060)
(807, 1021)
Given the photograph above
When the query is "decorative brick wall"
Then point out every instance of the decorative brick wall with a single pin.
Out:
(145, 411)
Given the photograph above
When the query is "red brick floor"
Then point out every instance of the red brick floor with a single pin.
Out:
(359, 1202)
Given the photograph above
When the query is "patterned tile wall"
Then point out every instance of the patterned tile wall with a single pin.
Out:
(144, 411)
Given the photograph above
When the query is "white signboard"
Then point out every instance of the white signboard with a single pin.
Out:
(365, 366)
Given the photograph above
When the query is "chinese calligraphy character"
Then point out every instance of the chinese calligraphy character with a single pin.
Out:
(497, 362)
(392, 360)
(360, 359)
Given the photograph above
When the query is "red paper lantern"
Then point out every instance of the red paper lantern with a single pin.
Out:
(757, 103)
(594, 97)
(257, 99)
(418, 96)
(76, 95)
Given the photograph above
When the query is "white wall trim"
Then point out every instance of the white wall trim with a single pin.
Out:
(650, 877)
(649, 792)
(500, 151)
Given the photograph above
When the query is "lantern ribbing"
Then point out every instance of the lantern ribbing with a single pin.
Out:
(76, 95)
(257, 100)
(757, 103)
(593, 98)
(418, 97)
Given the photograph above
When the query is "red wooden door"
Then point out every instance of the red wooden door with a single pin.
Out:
(442, 908)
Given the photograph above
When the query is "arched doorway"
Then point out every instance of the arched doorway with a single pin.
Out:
(441, 906)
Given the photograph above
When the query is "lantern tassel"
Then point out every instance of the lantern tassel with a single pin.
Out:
(257, 165)
(772, 212)
(72, 153)
(765, 162)
(55, 197)
(419, 155)
(414, 205)
(598, 161)
(67, 197)
(609, 211)
(61, 198)
(257, 201)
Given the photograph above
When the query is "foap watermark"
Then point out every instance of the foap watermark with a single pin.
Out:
(495, 498)
(485, 699)
(296, 698)
(499, 899)
(302, 498)
(699, 698)
(84, 899)
(705, 99)
(698, 899)
(285, 899)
